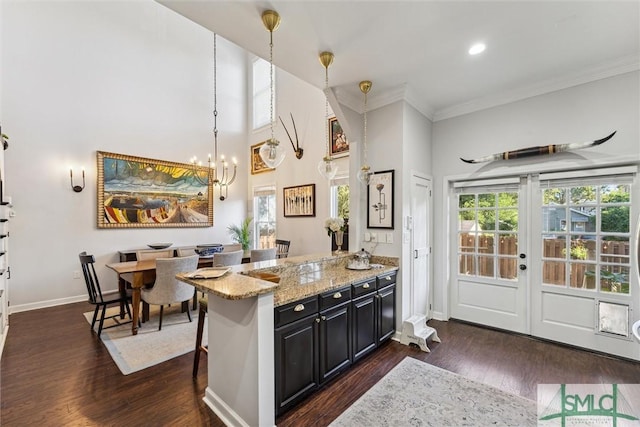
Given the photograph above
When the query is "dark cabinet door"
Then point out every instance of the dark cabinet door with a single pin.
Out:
(296, 360)
(335, 341)
(364, 325)
(386, 313)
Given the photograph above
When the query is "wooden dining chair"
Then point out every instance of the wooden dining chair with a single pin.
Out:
(202, 312)
(97, 298)
(262, 254)
(282, 248)
(167, 289)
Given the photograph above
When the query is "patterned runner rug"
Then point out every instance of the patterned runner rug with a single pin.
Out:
(150, 347)
(415, 393)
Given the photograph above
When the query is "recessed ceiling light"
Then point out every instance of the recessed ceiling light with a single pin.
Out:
(477, 48)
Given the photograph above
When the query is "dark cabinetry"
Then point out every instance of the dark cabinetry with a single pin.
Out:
(318, 337)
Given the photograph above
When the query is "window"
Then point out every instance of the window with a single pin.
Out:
(586, 233)
(264, 222)
(340, 197)
(262, 93)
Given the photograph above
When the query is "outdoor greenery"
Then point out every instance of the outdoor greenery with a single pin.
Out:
(343, 201)
(488, 204)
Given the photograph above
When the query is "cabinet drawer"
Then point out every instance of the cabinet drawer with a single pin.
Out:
(334, 298)
(295, 310)
(364, 288)
(386, 279)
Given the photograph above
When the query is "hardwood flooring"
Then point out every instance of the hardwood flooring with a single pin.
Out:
(56, 372)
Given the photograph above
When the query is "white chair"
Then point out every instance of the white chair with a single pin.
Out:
(263, 254)
(232, 247)
(167, 289)
(221, 259)
(154, 254)
(186, 251)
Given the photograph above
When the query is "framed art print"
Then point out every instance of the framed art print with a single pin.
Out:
(380, 200)
(339, 144)
(300, 200)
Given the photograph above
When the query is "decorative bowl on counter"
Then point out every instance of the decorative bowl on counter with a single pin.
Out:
(208, 250)
(159, 245)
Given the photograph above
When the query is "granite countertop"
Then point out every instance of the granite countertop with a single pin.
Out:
(300, 277)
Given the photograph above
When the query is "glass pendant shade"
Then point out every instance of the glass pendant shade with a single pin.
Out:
(272, 153)
(327, 168)
(364, 174)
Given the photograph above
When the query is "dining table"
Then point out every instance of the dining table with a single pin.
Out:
(137, 273)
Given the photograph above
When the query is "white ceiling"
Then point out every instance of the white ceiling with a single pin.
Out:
(417, 50)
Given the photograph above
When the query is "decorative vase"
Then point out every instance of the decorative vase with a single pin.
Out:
(338, 235)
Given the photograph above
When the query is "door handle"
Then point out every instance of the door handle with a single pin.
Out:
(415, 253)
(523, 267)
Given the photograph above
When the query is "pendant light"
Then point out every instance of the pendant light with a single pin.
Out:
(365, 171)
(225, 179)
(271, 152)
(327, 166)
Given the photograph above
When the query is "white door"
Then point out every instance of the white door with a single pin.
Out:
(489, 257)
(585, 284)
(420, 245)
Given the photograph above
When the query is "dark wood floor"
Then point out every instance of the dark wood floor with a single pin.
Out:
(56, 372)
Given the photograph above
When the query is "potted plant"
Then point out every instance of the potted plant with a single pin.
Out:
(242, 233)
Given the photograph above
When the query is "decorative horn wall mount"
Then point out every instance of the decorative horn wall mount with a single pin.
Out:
(540, 150)
(296, 147)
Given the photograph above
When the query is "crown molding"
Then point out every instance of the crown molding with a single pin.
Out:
(621, 66)
(383, 98)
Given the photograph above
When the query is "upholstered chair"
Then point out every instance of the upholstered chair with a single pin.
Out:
(263, 254)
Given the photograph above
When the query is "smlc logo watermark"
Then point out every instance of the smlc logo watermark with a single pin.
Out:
(615, 405)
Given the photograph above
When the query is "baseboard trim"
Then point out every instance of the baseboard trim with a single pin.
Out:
(228, 416)
(44, 304)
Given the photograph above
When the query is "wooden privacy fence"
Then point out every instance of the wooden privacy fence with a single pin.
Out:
(614, 252)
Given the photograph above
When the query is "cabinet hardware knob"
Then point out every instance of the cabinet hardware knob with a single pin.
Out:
(387, 278)
(365, 286)
(317, 320)
(337, 295)
(298, 307)
(324, 318)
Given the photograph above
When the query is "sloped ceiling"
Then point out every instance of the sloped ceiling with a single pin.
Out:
(417, 50)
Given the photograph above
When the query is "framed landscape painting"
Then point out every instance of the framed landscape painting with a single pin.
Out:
(136, 192)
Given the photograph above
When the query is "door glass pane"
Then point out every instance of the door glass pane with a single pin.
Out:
(578, 278)
(467, 242)
(467, 201)
(487, 200)
(553, 219)
(583, 195)
(614, 278)
(487, 220)
(583, 249)
(508, 244)
(508, 219)
(614, 219)
(466, 265)
(553, 196)
(553, 247)
(615, 194)
(553, 273)
(467, 220)
(614, 250)
(485, 244)
(508, 268)
(485, 266)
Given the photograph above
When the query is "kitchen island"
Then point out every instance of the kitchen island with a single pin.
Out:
(241, 377)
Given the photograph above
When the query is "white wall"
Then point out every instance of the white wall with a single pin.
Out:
(307, 104)
(581, 113)
(126, 77)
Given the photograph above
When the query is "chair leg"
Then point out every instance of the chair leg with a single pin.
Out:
(188, 312)
(95, 317)
(104, 311)
(196, 358)
(160, 322)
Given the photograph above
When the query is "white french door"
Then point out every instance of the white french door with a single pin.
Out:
(489, 263)
(420, 245)
(553, 255)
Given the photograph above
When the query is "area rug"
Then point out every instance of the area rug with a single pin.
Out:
(150, 347)
(415, 393)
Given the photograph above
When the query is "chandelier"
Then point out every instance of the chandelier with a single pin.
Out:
(327, 167)
(271, 152)
(218, 175)
(365, 171)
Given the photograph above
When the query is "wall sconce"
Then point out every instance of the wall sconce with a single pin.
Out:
(76, 188)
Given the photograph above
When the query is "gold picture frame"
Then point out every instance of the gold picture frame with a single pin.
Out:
(339, 146)
(299, 200)
(257, 164)
(136, 192)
